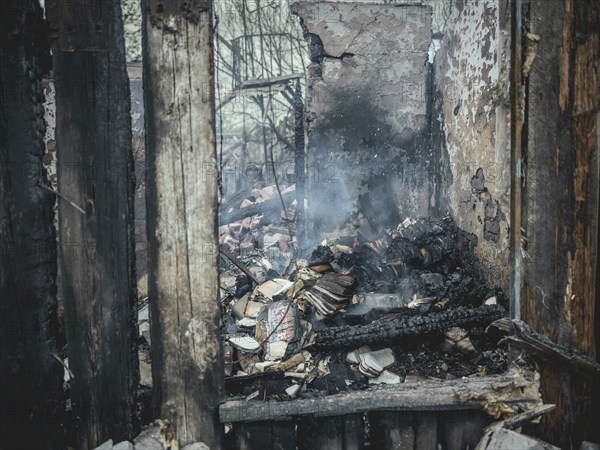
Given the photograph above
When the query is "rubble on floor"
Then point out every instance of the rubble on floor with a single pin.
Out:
(156, 436)
(356, 313)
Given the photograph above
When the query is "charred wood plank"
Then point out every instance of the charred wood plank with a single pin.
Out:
(253, 436)
(462, 429)
(265, 435)
(284, 435)
(31, 380)
(561, 197)
(517, 387)
(426, 435)
(526, 338)
(392, 430)
(97, 255)
(239, 264)
(271, 205)
(406, 327)
(299, 165)
(321, 433)
(354, 432)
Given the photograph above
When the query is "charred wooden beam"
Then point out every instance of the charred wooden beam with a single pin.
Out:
(460, 430)
(97, 256)
(299, 165)
(406, 327)
(561, 195)
(271, 205)
(519, 389)
(31, 384)
(391, 429)
(526, 338)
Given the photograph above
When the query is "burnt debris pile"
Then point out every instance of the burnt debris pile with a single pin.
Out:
(411, 304)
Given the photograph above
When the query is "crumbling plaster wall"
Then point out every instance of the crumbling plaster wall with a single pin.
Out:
(471, 115)
(368, 162)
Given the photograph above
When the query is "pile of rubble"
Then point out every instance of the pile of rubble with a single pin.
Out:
(410, 304)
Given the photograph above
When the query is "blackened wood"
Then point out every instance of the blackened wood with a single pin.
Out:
(460, 430)
(321, 433)
(421, 396)
(239, 264)
(299, 166)
(181, 193)
(354, 432)
(30, 377)
(426, 431)
(403, 327)
(283, 435)
(95, 171)
(253, 436)
(267, 435)
(561, 205)
(542, 347)
(339, 432)
(392, 430)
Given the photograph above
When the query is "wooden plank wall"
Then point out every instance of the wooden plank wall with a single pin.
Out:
(560, 209)
(96, 246)
(381, 430)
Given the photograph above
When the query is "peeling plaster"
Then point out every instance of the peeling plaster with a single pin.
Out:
(471, 70)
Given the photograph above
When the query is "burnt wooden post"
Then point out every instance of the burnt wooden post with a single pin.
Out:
(30, 376)
(299, 167)
(95, 174)
(187, 365)
(561, 202)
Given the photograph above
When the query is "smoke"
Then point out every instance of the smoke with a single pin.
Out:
(362, 175)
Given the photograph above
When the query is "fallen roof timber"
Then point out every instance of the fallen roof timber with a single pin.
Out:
(493, 393)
